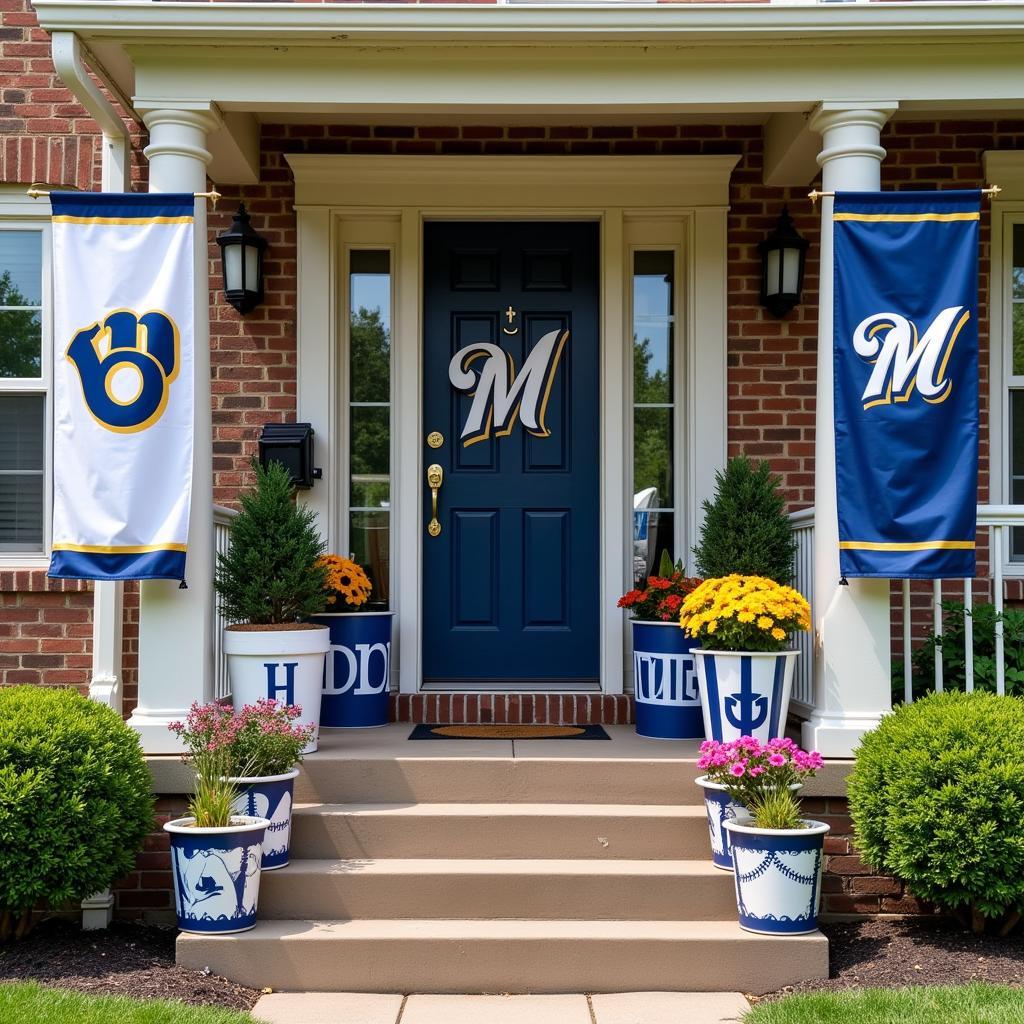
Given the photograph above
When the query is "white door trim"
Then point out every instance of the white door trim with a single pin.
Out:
(408, 191)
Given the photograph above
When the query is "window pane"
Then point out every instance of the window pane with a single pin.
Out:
(653, 533)
(1017, 469)
(1018, 261)
(370, 491)
(652, 455)
(371, 548)
(21, 433)
(21, 343)
(21, 268)
(370, 325)
(1018, 337)
(21, 472)
(371, 441)
(652, 283)
(652, 362)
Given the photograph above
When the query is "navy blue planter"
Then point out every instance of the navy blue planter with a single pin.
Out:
(778, 876)
(270, 797)
(357, 676)
(665, 683)
(216, 874)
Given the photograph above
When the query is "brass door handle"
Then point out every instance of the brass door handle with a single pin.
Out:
(435, 477)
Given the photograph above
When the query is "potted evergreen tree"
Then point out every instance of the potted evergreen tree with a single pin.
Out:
(269, 581)
(745, 529)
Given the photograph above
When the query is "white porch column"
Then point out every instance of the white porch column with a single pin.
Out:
(175, 625)
(851, 623)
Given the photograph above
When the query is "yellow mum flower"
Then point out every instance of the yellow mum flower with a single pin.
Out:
(765, 623)
(779, 634)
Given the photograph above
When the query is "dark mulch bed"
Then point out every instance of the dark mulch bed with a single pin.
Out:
(124, 960)
(892, 953)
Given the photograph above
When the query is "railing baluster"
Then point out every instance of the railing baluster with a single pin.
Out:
(908, 674)
(996, 535)
(937, 625)
(968, 638)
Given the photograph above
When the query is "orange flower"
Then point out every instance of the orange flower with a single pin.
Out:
(345, 579)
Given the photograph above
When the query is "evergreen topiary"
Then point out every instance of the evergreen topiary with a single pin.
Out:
(270, 574)
(937, 800)
(746, 530)
(75, 800)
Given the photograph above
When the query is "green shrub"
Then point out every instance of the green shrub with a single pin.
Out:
(75, 800)
(270, 574)
(937, 800)
(954, 675)
(746, 529)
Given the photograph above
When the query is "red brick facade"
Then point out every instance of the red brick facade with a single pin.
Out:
(45, 626)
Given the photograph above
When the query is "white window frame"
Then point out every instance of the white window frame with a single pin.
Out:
(20, 213)
(1006, 169)
(662, 234)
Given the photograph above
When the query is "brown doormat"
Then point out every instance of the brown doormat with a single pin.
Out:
(508, 732)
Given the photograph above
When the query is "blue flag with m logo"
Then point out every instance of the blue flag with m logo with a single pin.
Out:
(905, 359)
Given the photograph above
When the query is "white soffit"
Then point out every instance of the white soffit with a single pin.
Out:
(530, 182)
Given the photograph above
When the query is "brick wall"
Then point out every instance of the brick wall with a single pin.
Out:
(848, 885)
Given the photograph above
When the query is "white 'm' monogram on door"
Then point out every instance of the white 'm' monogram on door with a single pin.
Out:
(499, 393)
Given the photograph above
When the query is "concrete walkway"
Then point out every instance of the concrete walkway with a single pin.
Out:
(625, 1008)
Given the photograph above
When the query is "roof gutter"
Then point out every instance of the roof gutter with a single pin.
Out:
(67, 59)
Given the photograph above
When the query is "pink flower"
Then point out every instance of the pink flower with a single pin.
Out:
(737, 770)
(776, 760)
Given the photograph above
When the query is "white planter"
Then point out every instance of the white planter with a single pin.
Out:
(279, 664)
(778, 876)
(216, 874)
(719, 809)
(270, 797)
(745, 693)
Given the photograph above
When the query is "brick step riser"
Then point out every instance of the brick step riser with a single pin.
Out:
(288, 895)
(326, 779)
(342, 836)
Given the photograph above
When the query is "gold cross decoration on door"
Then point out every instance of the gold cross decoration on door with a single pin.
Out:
(510, 315)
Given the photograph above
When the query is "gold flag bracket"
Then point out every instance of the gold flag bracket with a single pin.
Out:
(35, 192)
(991, 192)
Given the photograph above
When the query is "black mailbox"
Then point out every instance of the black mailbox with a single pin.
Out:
(291, 444)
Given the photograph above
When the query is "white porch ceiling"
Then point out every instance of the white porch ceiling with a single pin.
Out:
(473, 64)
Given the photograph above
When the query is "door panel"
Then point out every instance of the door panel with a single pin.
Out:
(510, 377)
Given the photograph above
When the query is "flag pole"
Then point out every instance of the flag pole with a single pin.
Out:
(34, 192)
(992, 191)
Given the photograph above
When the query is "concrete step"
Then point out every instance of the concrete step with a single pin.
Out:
(506, 956)
(497, 831)
(659, 890)
(337, 775)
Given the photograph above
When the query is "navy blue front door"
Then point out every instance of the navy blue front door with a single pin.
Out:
(510, 379)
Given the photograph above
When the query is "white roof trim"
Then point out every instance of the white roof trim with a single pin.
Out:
(237, 23)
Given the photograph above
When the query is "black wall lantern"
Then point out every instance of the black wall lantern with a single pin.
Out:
(241, 254)
(783, 255)
(291, 444)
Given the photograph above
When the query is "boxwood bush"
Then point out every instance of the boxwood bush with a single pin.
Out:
(937, 800)
(75, 800)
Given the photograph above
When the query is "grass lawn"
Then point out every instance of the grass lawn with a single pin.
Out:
(976, 1003)
(28, 1003)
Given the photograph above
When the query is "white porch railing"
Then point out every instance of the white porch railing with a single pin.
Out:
(998, 521)
(802, 524)
(221, 539)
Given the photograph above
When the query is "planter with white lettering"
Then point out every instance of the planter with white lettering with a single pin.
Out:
(357, 675)
(278, 664)
(665, 682)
